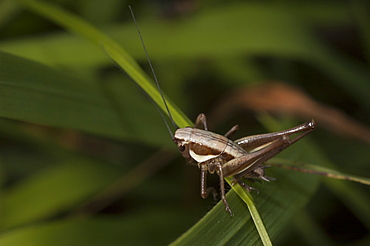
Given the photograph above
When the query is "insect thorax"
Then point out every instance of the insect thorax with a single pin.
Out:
(199, 146)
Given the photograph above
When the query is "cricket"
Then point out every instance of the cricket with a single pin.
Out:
(240, 159)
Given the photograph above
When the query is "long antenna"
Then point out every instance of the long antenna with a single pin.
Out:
(154, 76)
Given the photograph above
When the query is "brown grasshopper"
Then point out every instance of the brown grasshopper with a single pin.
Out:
(242, 158)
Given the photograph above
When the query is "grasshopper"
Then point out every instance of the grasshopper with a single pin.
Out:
(215, 153)
(242, 158)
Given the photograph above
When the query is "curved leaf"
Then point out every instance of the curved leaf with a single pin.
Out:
(52, 191)
(267, 29)
(319, 170)
(108, 231)
(277, 202)
(35, 93)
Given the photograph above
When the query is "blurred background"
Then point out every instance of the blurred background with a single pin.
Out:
(86, 158)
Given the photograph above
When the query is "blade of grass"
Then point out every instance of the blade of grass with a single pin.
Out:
(53, 190)
(354, 197)
(35, 93)
(103, 230)
(347, 192)
(115, 51)
(277, 204)
(247, 198)
(278, 33)
(314, 169)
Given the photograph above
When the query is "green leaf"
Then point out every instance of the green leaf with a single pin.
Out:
(277, 202)
(319, 170)
(53, 191)
(107, 231)
(116, 52)
(267, 30)
(35, 93)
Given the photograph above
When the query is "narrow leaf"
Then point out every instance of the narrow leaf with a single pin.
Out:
(319, 170)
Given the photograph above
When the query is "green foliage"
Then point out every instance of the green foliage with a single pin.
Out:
(72, 126)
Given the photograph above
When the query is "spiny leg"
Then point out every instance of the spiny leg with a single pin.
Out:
(256, 169)
(254, 175)
(246, 163)
(222, 188)
(204, 191)
(201, 122)
(255, 142)
(247, 187)
(263, 176)
(250, 166)
(232, 131)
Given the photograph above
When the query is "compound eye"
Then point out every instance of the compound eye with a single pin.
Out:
(182, 148)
